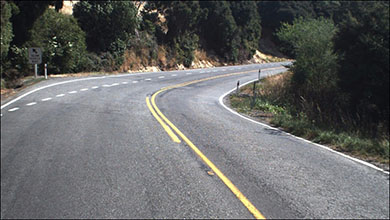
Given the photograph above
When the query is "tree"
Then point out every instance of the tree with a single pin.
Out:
(108, 24)
(6, 27)
(62, 41)
(327, 9)
(6, 31)
(363, 46)
(248, 22)
(181, 22)
(182, 17)
(314, 71)
(220, 29)
(274, 13)
(29, 12)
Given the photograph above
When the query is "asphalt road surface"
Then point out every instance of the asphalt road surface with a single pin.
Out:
(91, 148)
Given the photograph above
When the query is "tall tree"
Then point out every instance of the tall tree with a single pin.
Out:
(182, 23)
(62, 41)
(6, 31)
(363, 45)
(314, 79)
(108, 24)
(248, 22)
(274, 13)
(29, 12)
(220, 29)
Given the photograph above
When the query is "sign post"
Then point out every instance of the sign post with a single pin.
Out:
(36, 70)
(35, 57)
(254, 95)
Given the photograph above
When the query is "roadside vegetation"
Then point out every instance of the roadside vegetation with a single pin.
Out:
(122, 36)
(337, 90)
(272, 108)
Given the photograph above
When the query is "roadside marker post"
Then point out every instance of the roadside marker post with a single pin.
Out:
(254, 89)
(254, 94)
(45, 70)
(238, 84)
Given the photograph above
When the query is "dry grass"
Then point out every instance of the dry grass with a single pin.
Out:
(271, 86)
(131, 61)
(200, 55)
(275, 86)
(82, 74)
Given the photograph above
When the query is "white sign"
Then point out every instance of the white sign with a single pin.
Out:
(34, 55)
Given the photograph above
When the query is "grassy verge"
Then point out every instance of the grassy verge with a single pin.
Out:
(373, 150)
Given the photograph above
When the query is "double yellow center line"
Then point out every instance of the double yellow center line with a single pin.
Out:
(169, 126)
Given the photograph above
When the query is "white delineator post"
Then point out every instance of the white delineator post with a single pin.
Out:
(45, 70)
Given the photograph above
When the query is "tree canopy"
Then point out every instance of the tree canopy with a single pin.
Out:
(62, 42)
(108, 24)
(363, 46)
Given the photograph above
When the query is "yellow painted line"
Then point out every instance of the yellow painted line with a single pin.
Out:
(166, 128)
(205, 79)
(215, 77)
(255, 212)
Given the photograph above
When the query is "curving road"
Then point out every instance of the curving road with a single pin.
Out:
(91, 148)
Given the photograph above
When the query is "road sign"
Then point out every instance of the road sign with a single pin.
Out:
(34, 55)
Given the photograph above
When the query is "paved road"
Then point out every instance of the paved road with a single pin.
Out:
(91, 149)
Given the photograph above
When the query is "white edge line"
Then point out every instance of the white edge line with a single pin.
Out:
(307, 141)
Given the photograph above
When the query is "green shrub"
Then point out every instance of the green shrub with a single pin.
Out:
(62, 42)
(185, 45)
(264, 105)
(314, 80)
(19, 60)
